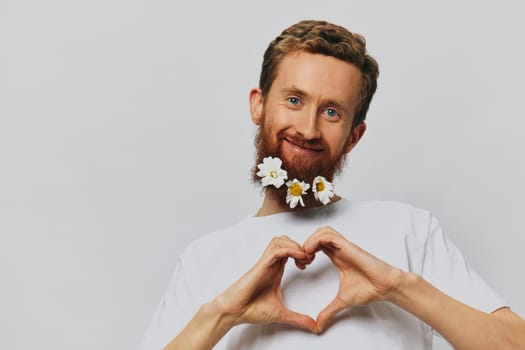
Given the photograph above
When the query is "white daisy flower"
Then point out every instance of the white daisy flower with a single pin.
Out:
(271, 172)
(296, 189)
(323, 190)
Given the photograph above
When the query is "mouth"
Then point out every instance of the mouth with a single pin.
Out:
(301, 147)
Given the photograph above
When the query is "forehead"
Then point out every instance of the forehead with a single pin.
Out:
(320, 76)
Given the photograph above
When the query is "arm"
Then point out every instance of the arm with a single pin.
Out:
(463, 326)
(255, 298)
(365, 278)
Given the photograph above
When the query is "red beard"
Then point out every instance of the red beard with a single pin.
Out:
(298, 167)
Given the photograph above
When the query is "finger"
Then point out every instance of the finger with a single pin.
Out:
(299, 320)
(335, 245)
(328, 313)
(281, 253)
(287, 238)
(283, 241)
(299, 265)
(274, 256)
(302, 263)
(277, 244)
(286, 241)
(323, 236)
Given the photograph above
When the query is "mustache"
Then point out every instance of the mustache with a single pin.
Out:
(317, 144)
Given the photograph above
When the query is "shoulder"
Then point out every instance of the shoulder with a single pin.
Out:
(390, 211)
(389, 222)
(213, 241)
(227, 246)
(387, 205)
(215, 260)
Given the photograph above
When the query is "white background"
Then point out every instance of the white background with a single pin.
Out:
(125, 134)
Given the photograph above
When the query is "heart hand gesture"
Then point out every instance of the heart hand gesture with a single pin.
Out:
(256, 297)
(363, 278)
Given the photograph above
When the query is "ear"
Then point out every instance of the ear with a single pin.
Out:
(256, 105)
(355, 136)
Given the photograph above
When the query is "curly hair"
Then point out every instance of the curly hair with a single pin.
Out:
(328, 39)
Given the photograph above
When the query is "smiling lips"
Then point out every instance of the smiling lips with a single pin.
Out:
(302, 147)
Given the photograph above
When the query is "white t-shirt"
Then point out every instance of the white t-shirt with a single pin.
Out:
(401, 235)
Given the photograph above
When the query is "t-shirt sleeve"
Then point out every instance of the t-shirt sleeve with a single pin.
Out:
(445, 267)
(172, 313)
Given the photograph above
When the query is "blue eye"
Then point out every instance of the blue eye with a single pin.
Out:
(293, 100)
(331, 112)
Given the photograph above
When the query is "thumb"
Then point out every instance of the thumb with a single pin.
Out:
(328, 313)
(299, 320)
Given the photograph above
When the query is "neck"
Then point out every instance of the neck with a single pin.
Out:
(274, 204)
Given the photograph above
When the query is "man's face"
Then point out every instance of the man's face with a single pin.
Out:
(306, 117)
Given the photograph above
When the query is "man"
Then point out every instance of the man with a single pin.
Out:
(394, 275)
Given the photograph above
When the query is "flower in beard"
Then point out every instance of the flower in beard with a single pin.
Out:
(296, 189)
(323, 190)
(271, 173)
(325, 164)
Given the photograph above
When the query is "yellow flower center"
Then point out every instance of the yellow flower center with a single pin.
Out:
(273, 174)
(320, 186)
(296, 190)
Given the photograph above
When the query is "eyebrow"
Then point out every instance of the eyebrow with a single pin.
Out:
(293, 90)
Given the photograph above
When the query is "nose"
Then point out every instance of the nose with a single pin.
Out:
(307, 125)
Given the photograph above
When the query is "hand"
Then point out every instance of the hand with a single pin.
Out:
(363, 278)
(256, 297)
